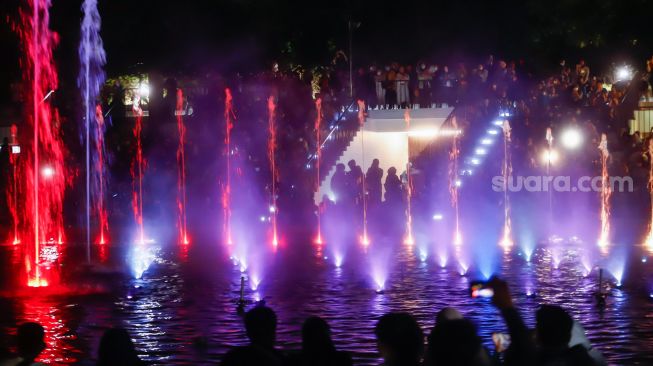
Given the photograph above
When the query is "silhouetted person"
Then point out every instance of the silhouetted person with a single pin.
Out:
(393, 187)
(261, 328)
(553, 332)
(354, 182)
(30, 342)
(339, 184)
(373, 183)
(117, 349)
(456, 342)
(399, 339)
(317, 346)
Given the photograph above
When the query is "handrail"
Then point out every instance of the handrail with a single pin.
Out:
(333, 129)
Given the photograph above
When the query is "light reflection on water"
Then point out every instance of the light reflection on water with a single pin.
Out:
(182, 312)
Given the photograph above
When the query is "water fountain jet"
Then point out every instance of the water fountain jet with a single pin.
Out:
(181, 169)
(606, 192)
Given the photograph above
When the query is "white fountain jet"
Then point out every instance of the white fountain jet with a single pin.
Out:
(506, 237)
(604, 236)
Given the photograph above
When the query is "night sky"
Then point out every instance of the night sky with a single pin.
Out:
(227, 35)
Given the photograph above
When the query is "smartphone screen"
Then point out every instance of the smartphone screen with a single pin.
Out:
(480, 289)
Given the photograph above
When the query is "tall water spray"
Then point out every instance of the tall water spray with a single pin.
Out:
(137, 171)
(648, 242)
(100, 178)
(13, 191)
(549, 160)
(318, 160)
(606, 192)
(365, 240)
(44, 170)
(226, 186)
(181, 171)
(408, 240)
(506, 236)
(454, 185)
(92, 59)
(272, 151)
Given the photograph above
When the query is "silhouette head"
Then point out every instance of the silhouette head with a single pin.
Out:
(392, 171)
(116, 348)
(448, 314)
(455, 342)
(30, 340)
(399, 339)
(340, 167)
(316, 336)
(375, 163)
(553, 326)
(261, 326)
(351, 164)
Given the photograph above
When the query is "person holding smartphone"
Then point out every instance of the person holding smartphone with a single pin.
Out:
(550, 345)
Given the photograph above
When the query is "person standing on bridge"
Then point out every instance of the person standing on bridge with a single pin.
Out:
(373, 183)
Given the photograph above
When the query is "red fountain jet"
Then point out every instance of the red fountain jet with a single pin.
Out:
(181, 162)
(43, 167)
(226, 187)
(137, 170)
(272, 146)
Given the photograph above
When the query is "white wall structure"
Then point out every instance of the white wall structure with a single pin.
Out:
(385, 136)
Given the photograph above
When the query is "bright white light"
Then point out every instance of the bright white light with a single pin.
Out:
(426, 133)
(493, 132)
(486, 142)
(443, 260)
(144, 90)
(141, 258)
(423, 255)
(15, 149)
(549, 157)
(498, 122)
(480, 151)
(338, 260)
(47, 171)
(458, 183)
(437, 217)
(571, 138)
(254, 282)
(432, 132)
(623, 73)
(450, 132)
(272, 209)
(475, 161)
(262, 218)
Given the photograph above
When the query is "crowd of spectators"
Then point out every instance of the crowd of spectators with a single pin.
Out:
(557, 340)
